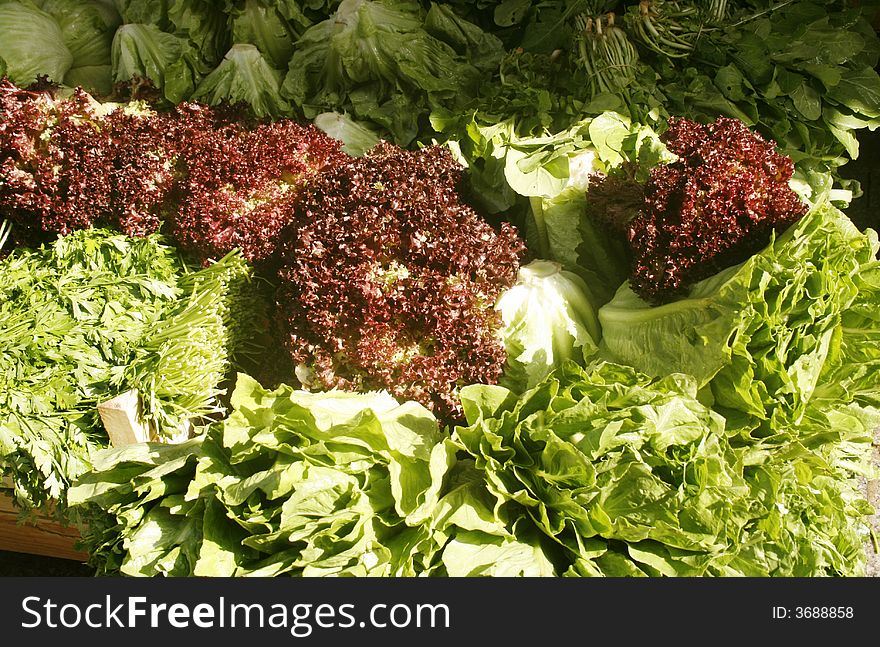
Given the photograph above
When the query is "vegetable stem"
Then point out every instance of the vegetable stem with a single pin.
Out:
(536, 204)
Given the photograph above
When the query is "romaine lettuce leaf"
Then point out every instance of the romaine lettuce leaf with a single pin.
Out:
(291, 482)
(244, 75)
(205, 26)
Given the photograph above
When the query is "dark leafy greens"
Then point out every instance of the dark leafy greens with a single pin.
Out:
(379, 61)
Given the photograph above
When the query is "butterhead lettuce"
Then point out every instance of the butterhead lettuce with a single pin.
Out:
(548, 319)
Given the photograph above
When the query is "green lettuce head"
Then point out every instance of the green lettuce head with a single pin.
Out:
(87, 27)
(548, 319)
(628, 475)
(244, 75)
(32, 44)
(144, 51)
(634, 476)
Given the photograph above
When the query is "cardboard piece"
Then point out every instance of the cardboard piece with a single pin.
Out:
(123, 419)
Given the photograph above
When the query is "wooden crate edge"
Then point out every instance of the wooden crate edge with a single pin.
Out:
(41, 536)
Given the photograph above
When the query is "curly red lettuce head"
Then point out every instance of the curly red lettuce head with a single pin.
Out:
(239, 184)
(712, 208)
(69, 163)
(390, 280)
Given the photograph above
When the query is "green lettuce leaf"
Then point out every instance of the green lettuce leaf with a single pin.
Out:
(97, 80)
(356, 138)
(244, 75)
(205, 26)
(483, 49)
(32, 44)
(479, 539)
(758, 335)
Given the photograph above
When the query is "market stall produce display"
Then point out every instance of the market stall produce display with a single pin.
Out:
(440, 288)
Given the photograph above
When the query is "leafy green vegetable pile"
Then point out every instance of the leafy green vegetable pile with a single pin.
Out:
(727, 443)
(801, 73)
(385, 276)
(750, 431)
(291, 482)
(97, 314)
(301, 484)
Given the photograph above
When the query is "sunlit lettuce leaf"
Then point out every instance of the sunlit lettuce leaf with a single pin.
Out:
(548, 318)
(356, 138)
